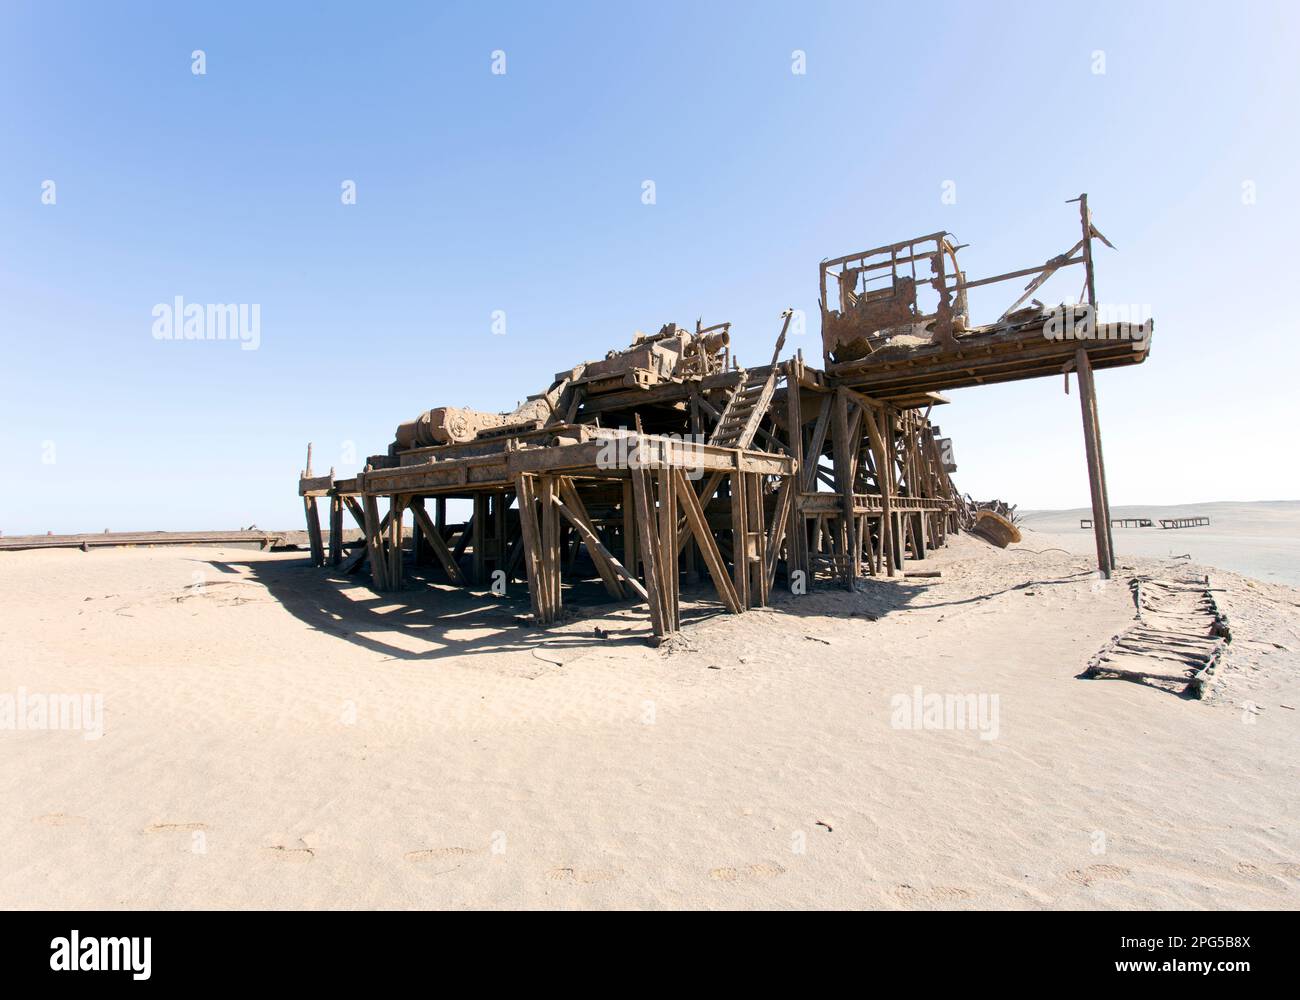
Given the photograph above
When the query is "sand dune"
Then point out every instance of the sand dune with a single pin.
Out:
(273, 738)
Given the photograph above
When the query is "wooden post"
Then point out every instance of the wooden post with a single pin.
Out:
(796, 534)
(532, 547)
(313, 531)
(374, 544)
(396, 508)
(336, 529)
(1096, 476)
(844, 483)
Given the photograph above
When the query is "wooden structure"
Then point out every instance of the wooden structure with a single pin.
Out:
(666, 462)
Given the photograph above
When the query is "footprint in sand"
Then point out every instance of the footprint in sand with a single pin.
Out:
(1286, 869)
(939, 894)
(175, 827)
(438, 854)
(760, 870)
(1097, 873)
(290, 855)
(583, 876)
(61, 819)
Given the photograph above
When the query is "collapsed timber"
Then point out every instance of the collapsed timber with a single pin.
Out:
(667, 461)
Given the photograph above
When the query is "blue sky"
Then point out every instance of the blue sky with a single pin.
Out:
(522, 193)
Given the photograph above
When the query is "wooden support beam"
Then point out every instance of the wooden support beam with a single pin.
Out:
(336, 530)
(436, 542)
(374, 543)
(708, 546)
(1096, 475)
(575, 512)
(648, 539)
(313, 531)
(779, 529)
(844, 484)
(524, 487)
(739, 539)
(668, 565)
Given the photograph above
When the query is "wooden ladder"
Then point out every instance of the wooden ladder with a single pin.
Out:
(745, 409)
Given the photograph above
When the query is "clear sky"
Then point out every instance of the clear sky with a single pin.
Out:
(521, 192)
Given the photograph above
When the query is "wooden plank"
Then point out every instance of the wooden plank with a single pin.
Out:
(336, 530)
(374, 544)
(436, 542)
(708, 546)
(532, 546)
(649, 548)
(575, 512)
(778, 530)
(313, 530)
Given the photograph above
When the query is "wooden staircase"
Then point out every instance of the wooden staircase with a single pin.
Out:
(744, 411)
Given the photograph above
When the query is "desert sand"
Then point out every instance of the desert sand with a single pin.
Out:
(277, 737)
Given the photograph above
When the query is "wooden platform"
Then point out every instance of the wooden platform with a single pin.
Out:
(985, 356)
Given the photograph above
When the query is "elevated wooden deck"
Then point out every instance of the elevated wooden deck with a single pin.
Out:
(986, 356)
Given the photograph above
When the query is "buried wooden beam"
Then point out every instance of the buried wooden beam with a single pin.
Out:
(609, 568)
(708, 546)
(436, 542)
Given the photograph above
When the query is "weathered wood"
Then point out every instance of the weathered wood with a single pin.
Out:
(374, 543)
(1092, 448)
(436, 542)
(646, 521)
(575, 512)
(707, 544)
(531, 534)
(336, 530)
(313, 530)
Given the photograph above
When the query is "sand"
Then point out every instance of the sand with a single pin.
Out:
(276, 738)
